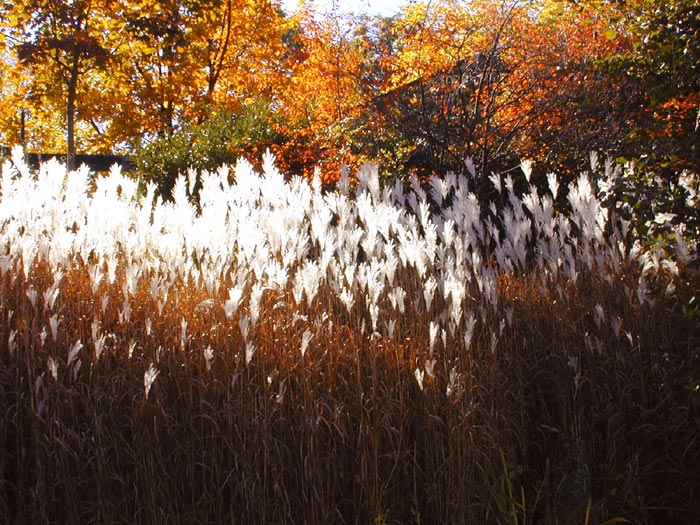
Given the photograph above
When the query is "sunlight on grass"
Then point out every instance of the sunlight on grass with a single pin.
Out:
(276, 352)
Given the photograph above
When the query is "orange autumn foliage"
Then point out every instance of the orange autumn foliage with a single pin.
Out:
(442, 81)
(322, 100)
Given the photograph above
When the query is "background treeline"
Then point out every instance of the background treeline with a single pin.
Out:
(195, 83)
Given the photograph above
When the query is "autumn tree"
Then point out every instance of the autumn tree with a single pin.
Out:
(573, 104)
(662, 139)
(323, 102)
(184, 59)
(200, 78)
(629, 81)
(665, 58)
(126, 70)
(500, 81)
(441, 82)
(447, 86)
(60, 43)
(12, 94)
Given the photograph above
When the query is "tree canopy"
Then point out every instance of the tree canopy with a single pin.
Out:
(439, 83)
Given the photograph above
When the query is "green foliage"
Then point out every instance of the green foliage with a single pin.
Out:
(662, 68)
(659, 208)
(668, 46)
(220, 140)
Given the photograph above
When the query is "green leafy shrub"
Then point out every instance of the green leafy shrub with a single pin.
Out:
(220, 140)
(662, 210)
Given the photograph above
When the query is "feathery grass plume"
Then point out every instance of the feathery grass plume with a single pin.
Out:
(54, 322)
(495, 179)
(149, 377)
(434, 328)
(526, 167)
(420, 376)
(12, 342)
(52, 365)
(374, 316)
(244, 325)
(306, 338)
(98, 339)
(183, 334)
(233, 302)
(307, 280)
(347, 298)
(249, 352)
(131, 348)
(553, 184)
(32, 295)
(374, 281)
(73, 353)
(256, 293)
(51, 293)
(208, 357)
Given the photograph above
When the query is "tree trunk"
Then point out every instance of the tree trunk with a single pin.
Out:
(70, 112)
(70, 154)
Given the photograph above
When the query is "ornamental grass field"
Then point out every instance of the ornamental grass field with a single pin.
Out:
(279, 353)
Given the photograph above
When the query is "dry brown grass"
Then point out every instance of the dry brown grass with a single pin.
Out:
(344, 434)
(576, 400)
